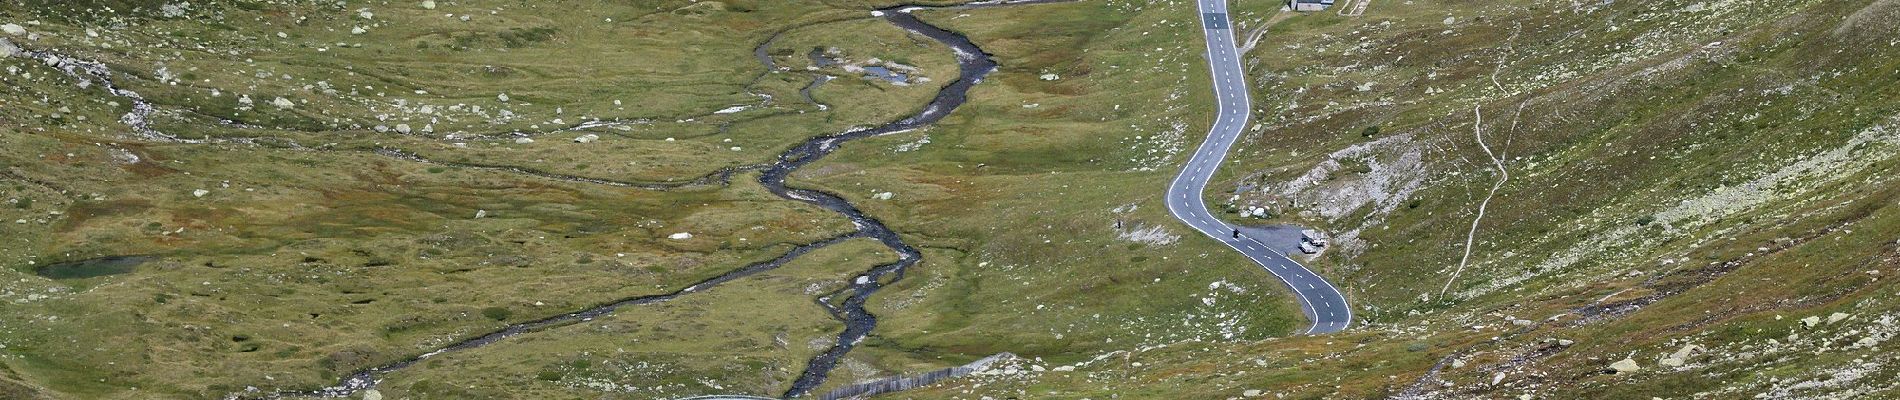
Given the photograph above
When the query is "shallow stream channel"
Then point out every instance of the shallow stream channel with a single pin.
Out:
(846, 304)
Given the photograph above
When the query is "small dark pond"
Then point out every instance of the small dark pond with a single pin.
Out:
(92, 268)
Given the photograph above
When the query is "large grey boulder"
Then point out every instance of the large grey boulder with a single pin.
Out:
(1625, 366)
(1677, 358)
(7, 49)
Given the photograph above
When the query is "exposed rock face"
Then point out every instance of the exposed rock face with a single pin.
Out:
(174, 10)
(1382, 174)
(1871, 24)
(983, 367)
(1145, 234)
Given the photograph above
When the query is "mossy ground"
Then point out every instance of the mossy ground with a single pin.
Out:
(1681, 174)
(311, 256)
(1643, 140)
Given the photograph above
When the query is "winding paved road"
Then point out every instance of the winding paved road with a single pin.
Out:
(1319, 299)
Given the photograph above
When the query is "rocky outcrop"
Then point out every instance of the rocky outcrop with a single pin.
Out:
(1382, 174)
(900, 383)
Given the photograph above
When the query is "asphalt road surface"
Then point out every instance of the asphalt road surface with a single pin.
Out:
(1319, 299)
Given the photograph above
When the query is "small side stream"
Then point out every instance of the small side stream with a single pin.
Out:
(367, 378)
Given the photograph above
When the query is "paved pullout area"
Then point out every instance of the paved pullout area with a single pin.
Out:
(1319, 299)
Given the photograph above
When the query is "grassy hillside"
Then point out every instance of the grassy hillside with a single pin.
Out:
(1702, 189)
(420, 183)
(1681, 175)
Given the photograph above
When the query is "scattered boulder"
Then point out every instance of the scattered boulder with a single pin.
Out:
(1677, 358)
(1810, 322)
(523, 140)
(883, 196)
(372, 394)
(1625, 366)
(13, 29)
(1836, 317)
(502, 97)
(1251, 393)
(680, 236)
(1050, 77)
(587, 138)
(283, 103)
(428, 4)
(200, 193)
(1869, 341)
(7, 49)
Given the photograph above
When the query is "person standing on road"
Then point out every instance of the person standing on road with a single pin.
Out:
(1236, 233)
